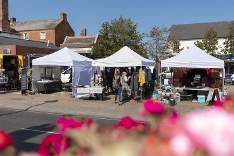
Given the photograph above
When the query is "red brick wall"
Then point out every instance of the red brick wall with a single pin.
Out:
(56, 36)
(35, 35)
(21, 50)
(11, 47)
(62, 30)
(4, 21)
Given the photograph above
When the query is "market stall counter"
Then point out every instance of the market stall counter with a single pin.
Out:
(48, 85)
(190, 93)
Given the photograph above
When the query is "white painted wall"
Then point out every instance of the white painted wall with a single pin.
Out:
(188, 43)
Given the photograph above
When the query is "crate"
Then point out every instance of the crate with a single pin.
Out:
(201, 98)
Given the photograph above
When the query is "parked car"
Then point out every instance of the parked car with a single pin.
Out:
(65, 75)
(228, 79)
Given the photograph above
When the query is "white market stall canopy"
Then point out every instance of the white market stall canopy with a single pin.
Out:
(124, 57)
(193, 57)
(63, 57)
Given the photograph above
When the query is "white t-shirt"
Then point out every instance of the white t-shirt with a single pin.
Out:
(125, 78)
(232, 77)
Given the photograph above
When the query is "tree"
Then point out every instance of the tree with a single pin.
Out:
(174, 45)
(209, 43)
(157, 45)
(117, 34)
(229, 42)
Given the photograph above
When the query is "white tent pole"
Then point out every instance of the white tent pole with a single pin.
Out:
(141, 86)
(160, 79)
(223, 76)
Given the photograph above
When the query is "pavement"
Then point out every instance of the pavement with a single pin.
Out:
(62, 103)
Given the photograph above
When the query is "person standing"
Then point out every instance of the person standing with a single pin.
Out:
(232, 77)
(125, 86)
(117, 86)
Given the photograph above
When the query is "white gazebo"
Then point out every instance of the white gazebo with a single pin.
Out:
(194, 57)
(125, 57)
(62, 57)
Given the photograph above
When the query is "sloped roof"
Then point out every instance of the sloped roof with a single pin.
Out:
(198, 30)
(79, 41)
(26, 43)
(35, 25)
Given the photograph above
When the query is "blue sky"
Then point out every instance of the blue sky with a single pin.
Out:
(146, 13)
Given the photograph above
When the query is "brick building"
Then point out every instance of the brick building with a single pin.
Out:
(52, 30)
(11, 44)
(81, 44)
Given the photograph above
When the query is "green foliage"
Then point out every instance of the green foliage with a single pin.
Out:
(229, 42)
(209, 43)
(117, 34)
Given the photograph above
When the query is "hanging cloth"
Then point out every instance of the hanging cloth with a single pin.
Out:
(141, 77)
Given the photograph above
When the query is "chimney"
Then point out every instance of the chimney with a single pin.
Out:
(84, 31)
(12, 20)
(63, 16)
(4, 21)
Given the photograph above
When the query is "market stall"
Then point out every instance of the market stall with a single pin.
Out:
(194, 69)
(126, 57)
(47, 69)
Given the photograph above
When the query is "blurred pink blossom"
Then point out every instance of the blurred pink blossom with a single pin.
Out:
(153, 106)
(5, 139)
(174, 117)
(212, 130)
(53, 143)
(128, 123)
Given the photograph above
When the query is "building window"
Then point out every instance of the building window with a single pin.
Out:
(25, 36)
(42, 35)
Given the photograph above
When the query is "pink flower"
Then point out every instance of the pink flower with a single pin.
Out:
(53, 143)
(153, 106)
(68, 122)
(212, 130)
(5, 140)
(218, 103)
(181, 144)
(174, 117)
(126, 122)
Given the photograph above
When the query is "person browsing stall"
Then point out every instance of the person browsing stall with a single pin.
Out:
(117, 86)
(125, 86)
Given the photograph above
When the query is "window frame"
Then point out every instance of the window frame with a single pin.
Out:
(41, 36)
(26, 36)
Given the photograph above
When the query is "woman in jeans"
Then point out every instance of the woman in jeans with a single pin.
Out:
(118, 88)
(125, 86)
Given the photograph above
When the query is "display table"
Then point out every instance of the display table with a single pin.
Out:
(3, 85)
(48, 85)
(191, 93)
(91, 90)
